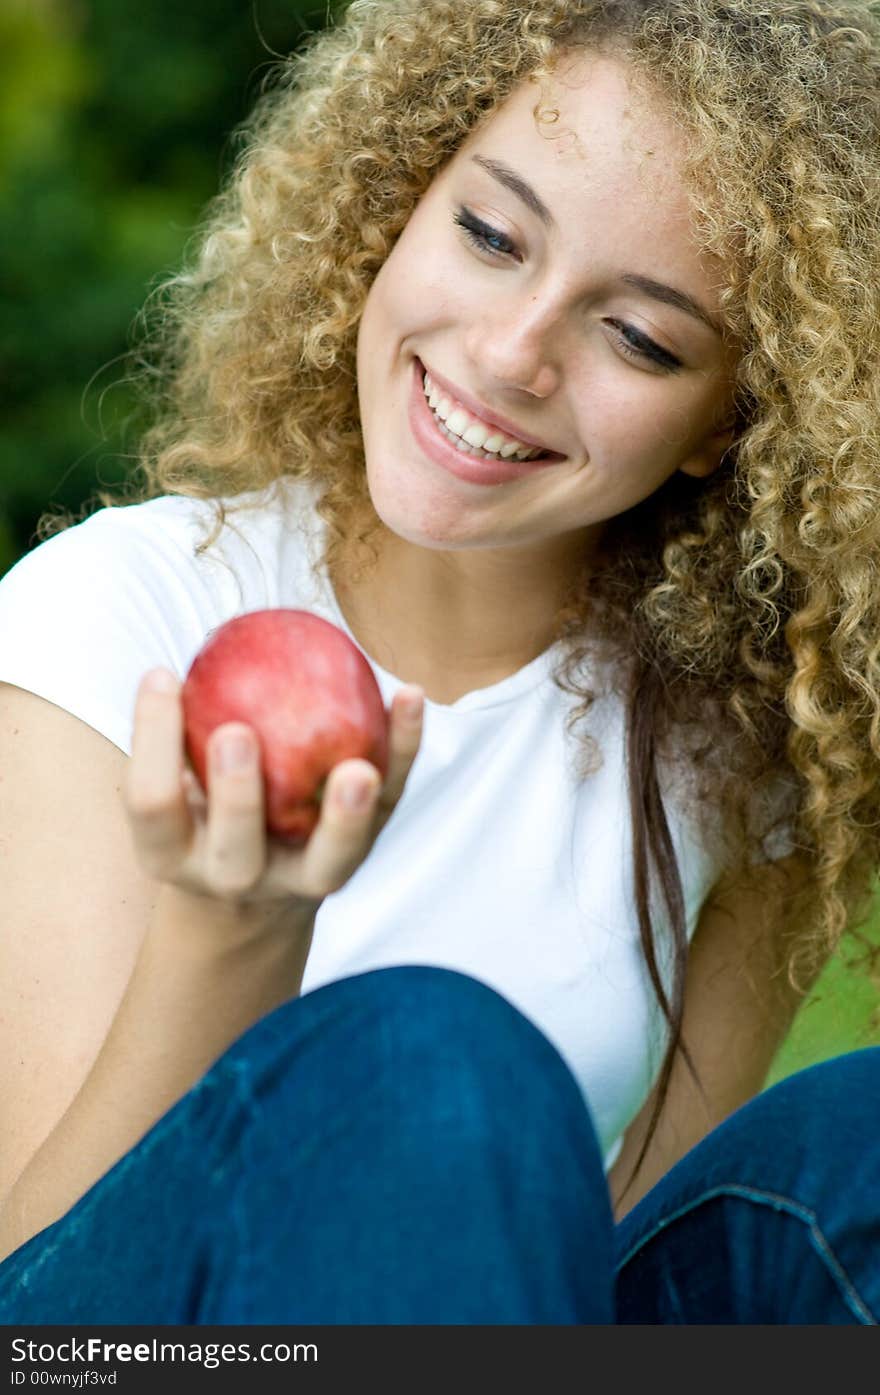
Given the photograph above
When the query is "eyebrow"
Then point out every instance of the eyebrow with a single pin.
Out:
(668, 295)
(517, 185)
(656, 290)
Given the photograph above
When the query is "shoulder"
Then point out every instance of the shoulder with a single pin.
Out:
(168, 543)
(88, 611)
(119, 534)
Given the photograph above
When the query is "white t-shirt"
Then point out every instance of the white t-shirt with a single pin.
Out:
(498, 861)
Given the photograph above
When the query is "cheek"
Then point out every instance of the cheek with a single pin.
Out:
(373, 313)
(387, 315)
(636, 425)
(420, 280)
(632, 449)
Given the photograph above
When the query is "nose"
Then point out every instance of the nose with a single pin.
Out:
(517, 344)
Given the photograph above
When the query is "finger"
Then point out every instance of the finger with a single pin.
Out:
(233, 856)
(407, 715)
(194, 792)
(153, 790)
(345, 830)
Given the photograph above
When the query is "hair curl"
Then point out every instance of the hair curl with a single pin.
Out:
(742, 612)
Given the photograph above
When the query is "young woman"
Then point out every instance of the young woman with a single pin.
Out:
(536, 345)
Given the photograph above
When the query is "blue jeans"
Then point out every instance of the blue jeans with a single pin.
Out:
(404, 1146)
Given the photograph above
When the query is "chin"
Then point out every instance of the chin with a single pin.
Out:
(428, 531)
(426, 517)
(429, 525)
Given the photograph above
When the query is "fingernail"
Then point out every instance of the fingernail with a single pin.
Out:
(356, 795)
(234, 753)
(411, 703)
(159, 680)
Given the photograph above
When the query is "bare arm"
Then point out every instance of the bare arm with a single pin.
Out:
(193, 992)
(74, 909)
(738, 1008)
(226, 930)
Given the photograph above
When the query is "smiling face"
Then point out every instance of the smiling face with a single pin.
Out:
(529, 283)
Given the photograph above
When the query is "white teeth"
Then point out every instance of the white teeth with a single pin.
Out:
(475, 435)
(460, 444)
(458, 421)
(469, 435)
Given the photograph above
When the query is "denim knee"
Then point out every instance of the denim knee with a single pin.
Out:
(821, 1123)
(808, 1148)
(413, 1145)
(817, 1128)
(369, 1137)
(437, 1040)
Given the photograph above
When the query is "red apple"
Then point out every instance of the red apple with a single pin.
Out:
(308, 692)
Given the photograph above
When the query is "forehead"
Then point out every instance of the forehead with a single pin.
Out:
(597, 146)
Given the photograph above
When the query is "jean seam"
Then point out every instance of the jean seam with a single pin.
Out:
(93, 1193)
(803, 1213)
(243, 1074)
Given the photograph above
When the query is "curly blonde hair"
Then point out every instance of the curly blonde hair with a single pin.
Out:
(744, 611)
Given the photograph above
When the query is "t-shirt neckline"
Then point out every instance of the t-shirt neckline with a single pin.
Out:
(505, 690)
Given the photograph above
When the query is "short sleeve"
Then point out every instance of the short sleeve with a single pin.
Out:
(87, 612)
(774, 810)
(771, 821)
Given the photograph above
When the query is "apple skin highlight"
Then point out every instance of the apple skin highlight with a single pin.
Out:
(309, 694)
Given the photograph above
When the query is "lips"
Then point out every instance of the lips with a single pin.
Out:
(462, 462)
(483, 414)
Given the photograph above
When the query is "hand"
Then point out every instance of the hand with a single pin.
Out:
(217, 846)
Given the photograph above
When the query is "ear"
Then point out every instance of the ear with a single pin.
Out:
(706, 460)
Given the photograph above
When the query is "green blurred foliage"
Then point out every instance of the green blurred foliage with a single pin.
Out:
(841, 1012)
(115, 126)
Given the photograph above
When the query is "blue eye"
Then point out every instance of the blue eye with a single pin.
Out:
(631, 342)
(483, 235)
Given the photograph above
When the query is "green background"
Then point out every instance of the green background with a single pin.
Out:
(115, 128)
